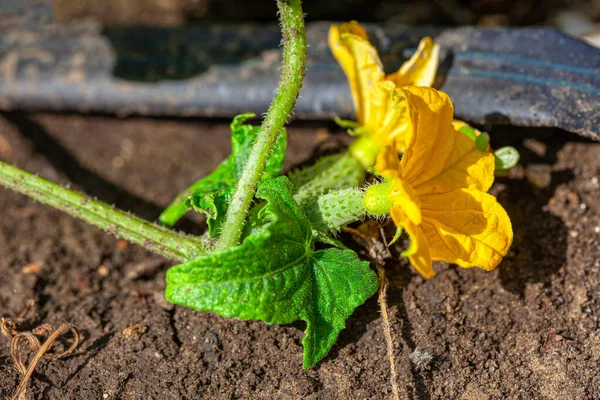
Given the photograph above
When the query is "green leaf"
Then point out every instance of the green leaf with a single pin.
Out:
(242, 140)
(326, 239)
(219, 179)
(276, 276)
(214, 205)
(482, 141)
(224, 178)
(470, 132)
(506, 158)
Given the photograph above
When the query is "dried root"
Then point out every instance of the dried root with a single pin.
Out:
(10, 329)
(378, 253)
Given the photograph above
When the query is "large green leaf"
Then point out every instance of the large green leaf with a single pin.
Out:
(276, 276)
(213, 192)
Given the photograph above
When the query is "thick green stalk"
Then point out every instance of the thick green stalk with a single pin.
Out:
(160, 240)
(294, 64)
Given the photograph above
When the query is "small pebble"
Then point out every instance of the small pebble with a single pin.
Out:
(127, 149)
(539, 175)
(118, 162)
(33, 268)
(536, 146)
(103, 271)
(573, 234)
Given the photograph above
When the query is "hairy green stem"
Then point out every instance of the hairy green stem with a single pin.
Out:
(294, 64)
(157, 239)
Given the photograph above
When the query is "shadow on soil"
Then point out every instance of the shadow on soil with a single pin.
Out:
(90, 182)
(540, 238)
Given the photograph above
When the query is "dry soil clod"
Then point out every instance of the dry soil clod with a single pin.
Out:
(135, 332)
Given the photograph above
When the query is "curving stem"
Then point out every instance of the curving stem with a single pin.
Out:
(157, 239)
(294, 64)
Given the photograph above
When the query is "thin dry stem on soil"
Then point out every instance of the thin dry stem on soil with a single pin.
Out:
(41, 350)
(387, 329)
(378, 253)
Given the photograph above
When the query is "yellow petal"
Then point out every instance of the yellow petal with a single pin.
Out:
(342, 53)
(418, 252)
(438, 158)
(466, 227)
(388, 163)
(421, 68)
(404, 196)
(363, 69)
(352, 27)
(467, 167)
(388, 118)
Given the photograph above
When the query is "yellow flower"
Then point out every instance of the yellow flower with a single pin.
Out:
(438, 190)
(381, 114)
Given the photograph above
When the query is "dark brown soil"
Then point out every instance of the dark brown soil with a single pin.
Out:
(528, 330)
